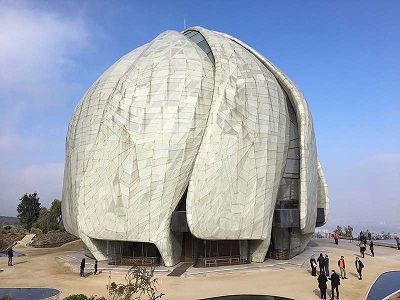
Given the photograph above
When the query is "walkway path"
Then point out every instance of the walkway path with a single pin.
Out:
(27, 239)
(180, 269)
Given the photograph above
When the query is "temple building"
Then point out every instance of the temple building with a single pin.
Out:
(196, 148)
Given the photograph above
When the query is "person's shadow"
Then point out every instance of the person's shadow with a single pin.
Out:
(317, 292)
(310, 272)
(353, 274)
(18, 263)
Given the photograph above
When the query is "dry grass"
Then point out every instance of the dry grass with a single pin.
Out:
(53, 239)
(8, 239)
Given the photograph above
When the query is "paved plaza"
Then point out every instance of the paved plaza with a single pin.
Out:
(59, 268)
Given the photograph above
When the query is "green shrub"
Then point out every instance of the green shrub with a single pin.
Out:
(81, 297)
(36, 231)
(6, 297)
(76, 297)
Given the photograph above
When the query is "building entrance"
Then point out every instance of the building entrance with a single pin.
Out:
(133, 253)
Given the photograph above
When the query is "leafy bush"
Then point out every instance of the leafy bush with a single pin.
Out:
(339, 230)
(36, 231)
(81, 297)
(6, 297)
(76, 297)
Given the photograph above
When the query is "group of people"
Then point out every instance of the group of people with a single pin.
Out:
(323, 263)
(83, 265)
(363, 248)
(10, 253)
(363, 243)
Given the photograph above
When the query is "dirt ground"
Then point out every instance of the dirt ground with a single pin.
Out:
(47, 268)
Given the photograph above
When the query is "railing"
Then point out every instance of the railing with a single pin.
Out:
(219, 261)
(140, 261)
(278, 254)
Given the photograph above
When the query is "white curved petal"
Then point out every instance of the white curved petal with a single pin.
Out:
(308, 155)
(81, 135)
(235, 180)
(323, 198)
(137, 163)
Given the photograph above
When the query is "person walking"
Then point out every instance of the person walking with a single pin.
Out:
(10, 254)
(95, 267)
(321, 263)
(371, 248)
(335, 282)
(313, 264)
(322, 285)
(82, 273)
(362, 248)
(342, 266)
(326, 265)
(336, 237)
(398, 242)
(359, 267)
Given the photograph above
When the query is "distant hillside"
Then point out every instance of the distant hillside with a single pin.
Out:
(9, 220)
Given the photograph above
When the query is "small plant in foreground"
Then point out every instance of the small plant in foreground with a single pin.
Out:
(139, 282)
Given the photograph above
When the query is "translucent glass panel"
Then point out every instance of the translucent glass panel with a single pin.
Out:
(288, 195)
(197, 38)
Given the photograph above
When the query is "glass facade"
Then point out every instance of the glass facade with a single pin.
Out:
(288, 195)
(197, 38)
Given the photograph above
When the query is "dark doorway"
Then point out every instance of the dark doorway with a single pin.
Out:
(189, 252)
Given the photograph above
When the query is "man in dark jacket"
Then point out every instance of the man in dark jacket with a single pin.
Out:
(83, 264)
(371, 248)
(322, 285)
(313, 264)
(321, 263)
(335, 282)
(359, 267)
(10, 254)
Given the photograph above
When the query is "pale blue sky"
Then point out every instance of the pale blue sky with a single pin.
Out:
(343, 55)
